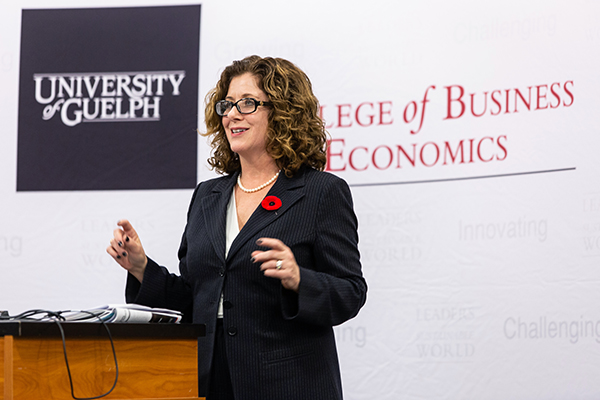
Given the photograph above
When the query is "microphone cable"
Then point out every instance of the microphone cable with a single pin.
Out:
(56, 316)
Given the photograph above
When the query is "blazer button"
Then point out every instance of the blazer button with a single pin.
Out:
(221, 271)
(227, 304)
(232, 331)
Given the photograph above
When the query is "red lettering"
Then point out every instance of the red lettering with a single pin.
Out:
(424, 102)
(364, 115)
(471, 150)
(479, 149)
(540, 96)
(414, 114)
(330, 154)
(526, 102)
(412, 160)
(383, 157)
(484, 104)
(351, 158)
(391, 157)
(568, 94)
(556, 95)
(369, 116)
(321, 108)
(496, 102)
(453, 157)
(503, 148)
(437, 154)
(341, 115)
(383, 112)
(450, 100)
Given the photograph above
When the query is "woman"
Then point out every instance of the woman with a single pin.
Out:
(269, 258)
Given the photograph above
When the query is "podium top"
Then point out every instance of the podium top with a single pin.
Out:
(95, 329)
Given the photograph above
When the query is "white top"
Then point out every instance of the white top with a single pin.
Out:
(231, 231)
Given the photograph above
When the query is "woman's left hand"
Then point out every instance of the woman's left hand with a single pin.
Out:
(279, 262)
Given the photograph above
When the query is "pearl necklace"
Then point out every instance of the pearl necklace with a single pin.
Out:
(256, 189)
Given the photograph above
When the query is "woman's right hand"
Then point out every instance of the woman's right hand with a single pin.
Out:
(126, 248)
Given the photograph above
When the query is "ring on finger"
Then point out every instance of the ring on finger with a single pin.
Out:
(278, 264)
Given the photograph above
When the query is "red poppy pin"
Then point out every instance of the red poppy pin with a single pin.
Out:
(271, 203)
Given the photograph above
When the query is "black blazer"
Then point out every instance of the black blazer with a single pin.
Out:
(280, 345)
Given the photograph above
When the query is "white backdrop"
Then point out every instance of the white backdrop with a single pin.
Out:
(480, 239)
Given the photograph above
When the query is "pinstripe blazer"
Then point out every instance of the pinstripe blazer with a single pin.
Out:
(280, 344)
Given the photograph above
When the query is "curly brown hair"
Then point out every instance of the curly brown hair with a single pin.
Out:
(296, 133)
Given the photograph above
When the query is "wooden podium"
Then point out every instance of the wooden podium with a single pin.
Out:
(156, 361)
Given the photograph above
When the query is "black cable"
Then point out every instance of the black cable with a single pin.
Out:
(56, 316)
(62, 333)
(27, 314)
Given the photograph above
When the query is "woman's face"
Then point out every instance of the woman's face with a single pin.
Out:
(246, 133)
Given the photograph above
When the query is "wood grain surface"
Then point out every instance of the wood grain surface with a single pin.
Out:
(148, 368)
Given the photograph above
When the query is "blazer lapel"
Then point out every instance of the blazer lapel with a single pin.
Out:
(289, 191)
(214, 209)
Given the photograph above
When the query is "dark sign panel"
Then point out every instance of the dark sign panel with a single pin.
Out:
(108, 98)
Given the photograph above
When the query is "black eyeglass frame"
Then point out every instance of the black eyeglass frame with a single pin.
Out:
(231, 104)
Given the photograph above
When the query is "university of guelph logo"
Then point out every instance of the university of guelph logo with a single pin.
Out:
(108, 98)
(95, 97)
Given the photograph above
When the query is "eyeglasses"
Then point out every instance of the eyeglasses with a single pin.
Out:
(244, 106)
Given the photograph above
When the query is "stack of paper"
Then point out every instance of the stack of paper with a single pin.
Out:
(124, 313)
